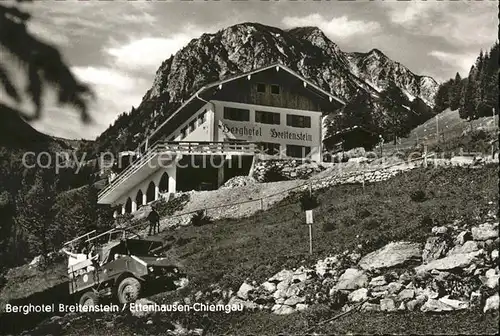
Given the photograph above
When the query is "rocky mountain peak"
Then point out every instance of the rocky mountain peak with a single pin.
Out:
(247, 46)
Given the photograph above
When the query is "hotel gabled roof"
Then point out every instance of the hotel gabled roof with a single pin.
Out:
(216, 84)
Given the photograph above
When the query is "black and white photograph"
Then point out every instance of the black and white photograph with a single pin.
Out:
(249, 167)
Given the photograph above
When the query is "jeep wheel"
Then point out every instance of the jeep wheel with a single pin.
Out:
(128, 290)
(89, 299)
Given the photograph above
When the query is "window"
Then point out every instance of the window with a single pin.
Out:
(261, 87)
(269, 148)
(275, 89)
(298, 121)
(236, 114)
(192, 126)
(202, 117)
(264, 117)
(298, 151)
(183, 133)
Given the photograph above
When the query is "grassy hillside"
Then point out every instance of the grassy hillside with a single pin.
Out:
(451, 127)
(227, 252)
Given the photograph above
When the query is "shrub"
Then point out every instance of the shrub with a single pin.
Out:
(427, 222)
(418, 196)
(273, 174)
(308, 201)
(200, 219)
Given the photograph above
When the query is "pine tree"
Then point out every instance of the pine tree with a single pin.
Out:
(468, 110)
(34, 207)
(490, 85)
(455, 92)
(442, 98)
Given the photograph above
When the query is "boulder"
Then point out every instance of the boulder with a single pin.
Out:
(282, 309)
(282, 275)
(301, 306)
(379, 294)
(281, 289)
(405, 278)
(299, 277)
(378, 281)
(435, 306)
(494, 255)
(324, 266)
(439, 230)
(295, 289)
(434, 248)
(463, 237)
(387, 305)
(352, 278)
(394, 287)
(358, 295)
(428, 293)
(460, 260)
(236, 301)
(491, 303)
(485, 231)
(489, 273)
(406, 295)
(292, 301)
(370, 307)
(244, 290)
(36, 260)
(269, 286)
(416, 303)
(468, 246)
(491, 281)
(455, 304)
(390, 255)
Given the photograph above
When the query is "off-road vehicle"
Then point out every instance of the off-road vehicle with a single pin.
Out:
(123, 268)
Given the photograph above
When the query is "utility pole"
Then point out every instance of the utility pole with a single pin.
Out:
(494, 123)
(437, 127)
(381, 144)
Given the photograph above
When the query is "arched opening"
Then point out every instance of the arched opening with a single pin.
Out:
(150, 193)
(138, 199)
(128, 205)
(163, 186)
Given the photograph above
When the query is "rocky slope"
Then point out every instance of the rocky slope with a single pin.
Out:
(243, 47)
(377, 69)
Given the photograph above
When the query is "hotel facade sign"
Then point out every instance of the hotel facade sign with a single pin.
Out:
(255, 133)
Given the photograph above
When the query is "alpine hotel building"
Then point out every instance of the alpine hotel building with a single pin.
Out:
(268, 111)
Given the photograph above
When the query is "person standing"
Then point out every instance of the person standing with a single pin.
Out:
(154, 221)
(73, 259)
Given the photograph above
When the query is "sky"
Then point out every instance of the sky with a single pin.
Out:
(117, 46)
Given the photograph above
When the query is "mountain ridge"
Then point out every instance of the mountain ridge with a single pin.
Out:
(247, 46)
